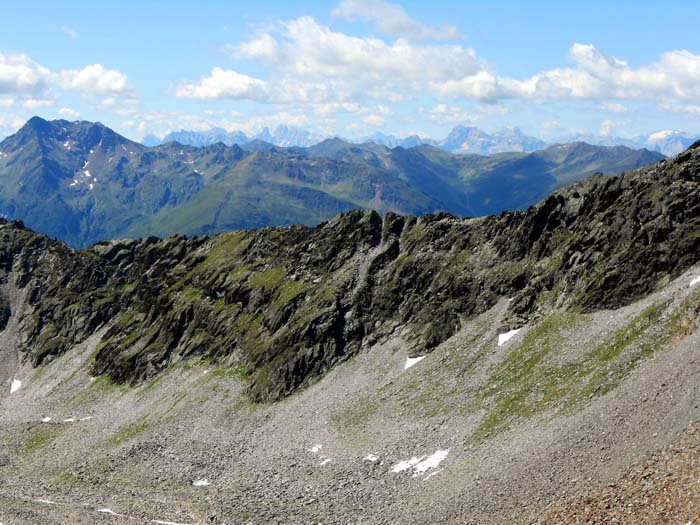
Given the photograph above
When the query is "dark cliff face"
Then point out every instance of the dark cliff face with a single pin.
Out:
(284, 305)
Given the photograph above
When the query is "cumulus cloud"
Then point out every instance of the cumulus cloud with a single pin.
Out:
(608, 127)
(392, 19)
(20, 74)
(595, 76)
(69, 113)
(225, 84)
(32, 104)
(94, 79)
(374, 120)
(307, 62)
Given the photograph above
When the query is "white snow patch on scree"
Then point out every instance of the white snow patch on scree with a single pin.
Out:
(316, 449)
(410, 361)
(504, 338)
(422, 464)
(45, 419)
(371, 458)
(16, 385)
(695, 281)
(110, 512)
(201, 483)
(433, 474)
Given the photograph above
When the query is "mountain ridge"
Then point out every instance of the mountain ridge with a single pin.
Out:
(82, 182)
(460, 140)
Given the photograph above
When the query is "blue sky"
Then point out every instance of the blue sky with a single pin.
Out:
(352, 67)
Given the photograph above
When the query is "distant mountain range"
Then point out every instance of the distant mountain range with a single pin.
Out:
(81, 182)
(461, 140)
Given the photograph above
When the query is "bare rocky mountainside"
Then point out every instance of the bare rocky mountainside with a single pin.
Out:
(370, 369)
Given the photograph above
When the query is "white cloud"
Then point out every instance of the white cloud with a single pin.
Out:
(69, 32)
(453, 114)
(69, 113)
(374, 120)
(32, 104)
(596, 76)
(393, 20)
(615, 107)
(309, 63)
(225, 84)
(10, 124)
(608, 127)
(94, 79)
(311, 67)
(20, 74)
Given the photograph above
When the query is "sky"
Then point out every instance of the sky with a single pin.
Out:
(354, 67)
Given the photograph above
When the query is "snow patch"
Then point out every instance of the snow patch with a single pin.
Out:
(161, 522)
(410, 361)
(695, 281)
(316, 449)
(45, 501)
(69, 420)
(422, 464)
(45, 419)
(16, 385)
(110, 512)
(92, 186)
(431, 462)
(325, 461)
(201, 483)
(371, 458)
(123, 147)
(406, 464)
(432, 474)
(87, 173)
(504, 338)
